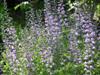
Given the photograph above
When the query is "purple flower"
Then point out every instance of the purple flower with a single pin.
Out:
(92, 34)
(87, 40)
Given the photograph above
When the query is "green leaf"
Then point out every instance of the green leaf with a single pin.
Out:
(21, 4)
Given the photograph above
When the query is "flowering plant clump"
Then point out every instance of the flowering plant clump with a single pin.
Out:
(90, 36)
(57, 37)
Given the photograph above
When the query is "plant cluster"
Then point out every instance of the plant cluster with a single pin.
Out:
(62, 38)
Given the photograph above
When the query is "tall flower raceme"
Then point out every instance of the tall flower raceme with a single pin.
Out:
(89, 38)
(38, 22)
(34, 20)
(73, 46)
(53, 26)
(73, 37)
(35, 24)
(9, 39)
(48, 22)
(76, 32)
(52, 22)
(77, 18)
(29, 39)
(62, 13)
